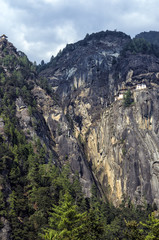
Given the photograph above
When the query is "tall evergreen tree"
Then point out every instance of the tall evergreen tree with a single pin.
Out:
(152, 226)
(65, 222)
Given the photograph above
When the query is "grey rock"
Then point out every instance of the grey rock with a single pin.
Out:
(121, 144)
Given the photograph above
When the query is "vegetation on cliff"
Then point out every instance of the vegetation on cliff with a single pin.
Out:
(127, 101)
(140, 45)
(151, 36)
(42, 199)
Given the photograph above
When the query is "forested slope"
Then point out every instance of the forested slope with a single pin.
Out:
(48, 188)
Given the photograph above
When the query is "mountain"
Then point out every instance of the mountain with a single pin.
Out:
(121, 144)
(86, 123)
(151, 36)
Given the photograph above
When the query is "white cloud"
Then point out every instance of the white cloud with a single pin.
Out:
(65, 32)
(53, 1)
(40, 28)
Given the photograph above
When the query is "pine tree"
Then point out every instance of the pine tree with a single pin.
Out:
(127, 99)
(132, 231)
(65, 222)
(152, 226)
(94, 227)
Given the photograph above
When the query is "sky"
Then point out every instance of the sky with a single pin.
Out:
(40, 28)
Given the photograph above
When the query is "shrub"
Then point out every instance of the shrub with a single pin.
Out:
(127, 99)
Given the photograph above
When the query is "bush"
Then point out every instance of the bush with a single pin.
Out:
(139, 45)
(127, 99)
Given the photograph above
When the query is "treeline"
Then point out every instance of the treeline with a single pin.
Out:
(140, 45)
(43, 201)
(151, 36)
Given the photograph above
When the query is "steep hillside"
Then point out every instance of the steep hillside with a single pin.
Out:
(39, 111)
(76, 135)
(36, 142)
(120, 142)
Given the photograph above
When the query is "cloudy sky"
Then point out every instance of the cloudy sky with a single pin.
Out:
(40, 28)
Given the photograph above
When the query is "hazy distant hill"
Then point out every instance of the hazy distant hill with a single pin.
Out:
(151, 36)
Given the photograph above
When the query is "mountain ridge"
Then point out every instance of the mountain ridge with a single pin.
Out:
(93, 108)
(88, 91)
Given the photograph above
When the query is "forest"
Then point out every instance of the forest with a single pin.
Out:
(42, 199)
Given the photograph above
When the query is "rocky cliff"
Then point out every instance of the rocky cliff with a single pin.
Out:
(45, 121)
(120, 143)
(29, 112)
(100, 115)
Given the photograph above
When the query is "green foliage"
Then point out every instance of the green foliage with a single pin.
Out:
(9, 61)
(37, 186)
(30, 185)
(143, 230)
(133, 232)
(2, 204)
(151, 36)
(151, 226)
(2, 78)
(65, 222)
(81, 141)
(127, 99)
(94, 227)
(140, 45)
(23, 60)
(42, 66)
(43, 83)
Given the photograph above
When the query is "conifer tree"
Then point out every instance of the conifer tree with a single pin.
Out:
(65, 222)
(152, 225)
(127, 99)
(133, 232)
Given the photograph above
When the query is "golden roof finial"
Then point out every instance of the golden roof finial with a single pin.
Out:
(3, 36)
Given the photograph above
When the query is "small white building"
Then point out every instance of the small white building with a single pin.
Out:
(141, 86)
(120, 96)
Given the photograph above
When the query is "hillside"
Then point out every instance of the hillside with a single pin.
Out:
(79, 140)
(89, 79)
(151, 36)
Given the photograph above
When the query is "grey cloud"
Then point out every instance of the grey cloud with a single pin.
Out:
(40, 28)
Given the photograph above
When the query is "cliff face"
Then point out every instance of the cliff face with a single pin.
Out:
(123, 148)
(64, 144)
(45, 122)
(86, 64)
(84, 122)
(29, 109)
(102, 118)
(121, 143)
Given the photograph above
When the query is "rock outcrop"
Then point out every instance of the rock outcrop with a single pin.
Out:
(101, 115)
(66, 146)
(121, 143)
(84, 122)
(123, 148)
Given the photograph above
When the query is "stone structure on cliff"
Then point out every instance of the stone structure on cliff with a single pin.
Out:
(120, 144)
(85, 123)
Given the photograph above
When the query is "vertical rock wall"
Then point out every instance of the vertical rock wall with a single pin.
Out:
(123, 149)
